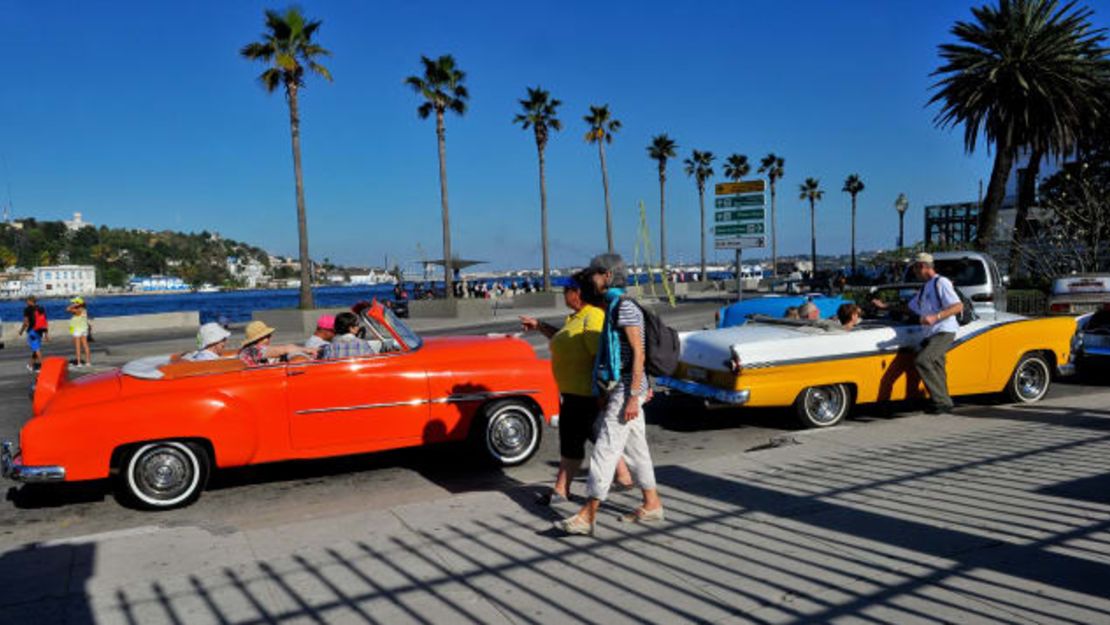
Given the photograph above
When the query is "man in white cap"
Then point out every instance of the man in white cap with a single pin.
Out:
(937, 306)
(211, 339)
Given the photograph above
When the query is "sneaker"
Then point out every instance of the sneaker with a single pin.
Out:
(639, 515)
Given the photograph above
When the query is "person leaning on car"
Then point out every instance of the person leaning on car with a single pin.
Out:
(937, 306)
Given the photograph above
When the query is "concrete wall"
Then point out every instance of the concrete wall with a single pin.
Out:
(454, 309)
(548, 299)
(117, 325)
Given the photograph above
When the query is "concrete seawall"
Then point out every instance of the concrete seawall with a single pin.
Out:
(59, 328)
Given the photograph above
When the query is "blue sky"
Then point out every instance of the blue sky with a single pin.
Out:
(142, 114)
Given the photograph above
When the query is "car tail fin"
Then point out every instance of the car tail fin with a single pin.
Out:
(52, 375)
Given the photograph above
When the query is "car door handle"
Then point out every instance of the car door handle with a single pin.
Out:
(292, 372)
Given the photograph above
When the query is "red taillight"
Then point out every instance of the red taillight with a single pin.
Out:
(1060, 308)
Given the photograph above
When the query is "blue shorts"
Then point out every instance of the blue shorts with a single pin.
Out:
(34, 340)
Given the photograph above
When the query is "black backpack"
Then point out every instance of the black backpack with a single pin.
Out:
(661, 343)
(967, 315)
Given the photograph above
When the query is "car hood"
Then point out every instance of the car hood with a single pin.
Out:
(498, 346)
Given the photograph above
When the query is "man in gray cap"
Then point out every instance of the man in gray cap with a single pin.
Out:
(937, 306)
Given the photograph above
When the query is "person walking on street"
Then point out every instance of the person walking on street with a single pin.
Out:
(619, 375)
(36, 326)
(573, 349)
(937, 306)
(79, 330)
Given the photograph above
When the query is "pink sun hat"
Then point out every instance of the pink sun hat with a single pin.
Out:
(326, 322)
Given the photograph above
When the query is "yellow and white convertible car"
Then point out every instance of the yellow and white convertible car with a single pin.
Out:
(822, 370)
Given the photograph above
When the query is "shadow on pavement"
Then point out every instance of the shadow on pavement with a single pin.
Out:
(954, 528)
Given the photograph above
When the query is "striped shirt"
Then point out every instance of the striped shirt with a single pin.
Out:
(629, 315)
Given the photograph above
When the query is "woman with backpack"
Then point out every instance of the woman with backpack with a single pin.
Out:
(620, 376)
(37, 328)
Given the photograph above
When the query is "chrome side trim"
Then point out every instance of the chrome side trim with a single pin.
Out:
(455, 398)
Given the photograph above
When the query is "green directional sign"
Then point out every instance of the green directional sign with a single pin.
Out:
(736, 201)
(747, 214)
(737, 229)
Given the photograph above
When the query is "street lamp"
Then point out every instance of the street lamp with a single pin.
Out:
(902, 205)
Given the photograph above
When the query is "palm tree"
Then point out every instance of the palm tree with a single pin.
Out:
(811, 190)
(773, 166)
(736, 167)
(1024, 73)
(662, 148)
(602, 126)
(700, 166)
(853, 185)
(442, 88)
(287, 48)
(540, 115)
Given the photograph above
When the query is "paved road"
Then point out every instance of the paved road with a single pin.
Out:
(680, 431)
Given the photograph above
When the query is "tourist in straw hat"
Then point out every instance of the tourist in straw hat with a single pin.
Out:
(257, 350)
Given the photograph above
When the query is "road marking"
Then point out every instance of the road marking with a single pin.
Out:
(142, 530)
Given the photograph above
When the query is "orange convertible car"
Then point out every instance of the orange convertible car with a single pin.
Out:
(160, 427)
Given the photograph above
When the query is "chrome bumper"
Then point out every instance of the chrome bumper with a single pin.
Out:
(12, 467)
(1066, 369)
(712, 393)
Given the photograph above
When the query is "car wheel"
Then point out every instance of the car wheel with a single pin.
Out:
(507, 432)
(1030, 380)
(166, 474)
(823, 406)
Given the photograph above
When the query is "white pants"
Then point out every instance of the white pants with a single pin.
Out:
(616, 437)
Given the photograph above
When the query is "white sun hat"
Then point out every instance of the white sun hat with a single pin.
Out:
(210, 334)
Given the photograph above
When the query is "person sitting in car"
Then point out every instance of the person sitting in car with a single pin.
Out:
(257, 350)
(848, 315)
(809, 311)
(211, 339)
(347, 343)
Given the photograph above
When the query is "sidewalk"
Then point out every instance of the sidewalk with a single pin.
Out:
(997, 515)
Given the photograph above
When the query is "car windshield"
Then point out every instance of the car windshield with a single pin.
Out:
(410, 338)
(961, 271)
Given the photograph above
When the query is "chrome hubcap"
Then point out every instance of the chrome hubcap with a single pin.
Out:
(164, 473)
(824, 403)
(510, 432)
(1031, 379)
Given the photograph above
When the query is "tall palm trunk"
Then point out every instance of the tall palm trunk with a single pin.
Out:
(701, 202)
(306, 302)
(813, 235)
(448, 274)
(1027, 193)
(543, 222)
(853, 234)
(663, 221)
(996, 190)
(605, 186)
(774, 236)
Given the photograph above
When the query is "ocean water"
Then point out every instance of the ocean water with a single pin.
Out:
(236, 306)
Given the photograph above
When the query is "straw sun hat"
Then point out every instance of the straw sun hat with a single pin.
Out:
(256, 331)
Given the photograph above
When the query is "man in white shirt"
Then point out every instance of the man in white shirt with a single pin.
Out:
(211, 339)
(937, 306)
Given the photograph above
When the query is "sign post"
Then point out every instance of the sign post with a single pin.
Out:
(739, 221)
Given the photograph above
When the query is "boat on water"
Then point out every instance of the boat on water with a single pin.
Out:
(207, 287)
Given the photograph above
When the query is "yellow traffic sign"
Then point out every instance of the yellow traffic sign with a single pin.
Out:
(745, 186)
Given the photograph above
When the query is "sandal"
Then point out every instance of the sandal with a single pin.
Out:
(640, 515)
(575, 525)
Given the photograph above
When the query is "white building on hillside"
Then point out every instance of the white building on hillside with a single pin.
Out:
(64, 280)
(76, 223)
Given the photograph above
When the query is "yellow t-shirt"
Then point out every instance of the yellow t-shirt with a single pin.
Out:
(573, 349)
